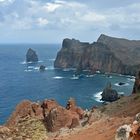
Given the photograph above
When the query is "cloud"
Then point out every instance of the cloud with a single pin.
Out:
(72, 18)
(42, 21)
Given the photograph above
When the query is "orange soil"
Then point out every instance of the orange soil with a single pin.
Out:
(119, 113)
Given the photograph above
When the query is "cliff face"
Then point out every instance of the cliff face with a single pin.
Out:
(108, 54)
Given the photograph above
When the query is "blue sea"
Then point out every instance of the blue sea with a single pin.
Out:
(19, 80)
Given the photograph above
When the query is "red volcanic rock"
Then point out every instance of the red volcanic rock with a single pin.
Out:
(60, 117)
(25, 109)
(37, 110)
(75, 123)
(71, 105)
(136, 88)
(47, 105)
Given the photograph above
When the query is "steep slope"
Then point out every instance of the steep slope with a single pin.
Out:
(108, 54)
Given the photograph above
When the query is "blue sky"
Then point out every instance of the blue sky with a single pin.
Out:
(49, 21)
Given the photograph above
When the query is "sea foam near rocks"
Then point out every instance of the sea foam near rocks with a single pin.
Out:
(117, 84)
(98, 96)
(58, 77)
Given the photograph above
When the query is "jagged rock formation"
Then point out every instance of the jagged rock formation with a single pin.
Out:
(109, 94)
(71, 105)
(49, 112)
(31, 56)
(136, 88)
(108, 54)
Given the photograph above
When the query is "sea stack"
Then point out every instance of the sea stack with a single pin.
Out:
(109, 94)
(31, 56)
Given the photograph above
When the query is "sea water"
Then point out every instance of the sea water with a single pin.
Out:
(20, 80)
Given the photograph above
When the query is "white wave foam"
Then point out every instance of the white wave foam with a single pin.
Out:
(49, 68)
(24, 62)
(58, 77)
(66, 69)
(40, 61)
(117, 84)
(131, 79)
(74, 78)
(28, 70)
(98, 72)
(98, 96)
(121, 93)
(90, 75)
(53, 59)
(30, 67)
(36, 68)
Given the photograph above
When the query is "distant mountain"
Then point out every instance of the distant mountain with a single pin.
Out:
(108, 54)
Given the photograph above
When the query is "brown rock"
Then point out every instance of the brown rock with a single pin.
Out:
(4, 133)
(25, 109)
(75, 123)
(136, 88)
(71, 105)
(59, 118)
(47, 105)
(37, 110)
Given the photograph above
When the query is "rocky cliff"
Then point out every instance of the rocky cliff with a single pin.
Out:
(108, 54)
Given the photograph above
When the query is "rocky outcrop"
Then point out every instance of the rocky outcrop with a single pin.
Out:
(49, 112)
(129, 132)
(109, 94)
(42, 68)
(25, 109)
(108, 54)
(31, 56)
(136, 88)
(71, 105)
(59, 118)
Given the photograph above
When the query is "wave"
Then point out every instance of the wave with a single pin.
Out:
(131, 79)
(89, 76)
(40, 61)
(52, 59)
(58, 77)
(24, 62)
(98, 96)
(28, 70)
(121, 93)
(49, 68)
(36, 68)
(98, 72)
(75, 78)
(30, 67)
(125, 84)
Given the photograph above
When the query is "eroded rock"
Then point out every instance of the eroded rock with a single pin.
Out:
(31, 56)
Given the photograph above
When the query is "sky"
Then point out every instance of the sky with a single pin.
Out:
(50, 21)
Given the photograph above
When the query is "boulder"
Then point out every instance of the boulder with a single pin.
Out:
(123, 132)
(109, 94)
(42, 68)
(31, 56)
(60, 117)
(121, 83)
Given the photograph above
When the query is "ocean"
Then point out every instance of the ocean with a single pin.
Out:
(20, 81)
